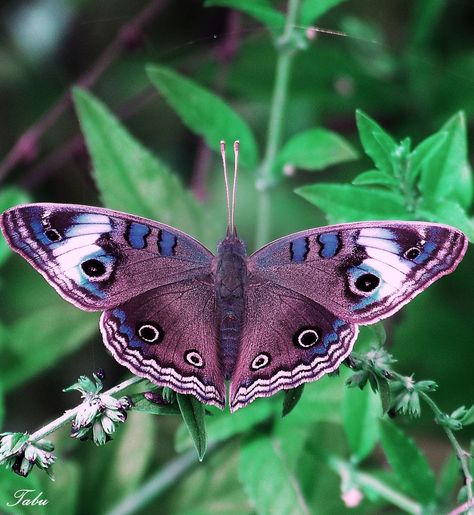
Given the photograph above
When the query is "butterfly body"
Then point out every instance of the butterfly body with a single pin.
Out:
(184, 318)
(230, 282)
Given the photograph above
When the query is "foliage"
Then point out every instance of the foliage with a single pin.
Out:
(308, 450)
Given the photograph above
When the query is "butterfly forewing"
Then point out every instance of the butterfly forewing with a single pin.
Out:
(97, 258)
(362, 272)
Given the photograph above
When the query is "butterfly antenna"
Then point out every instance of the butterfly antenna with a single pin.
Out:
(234, 186)
(226, 182)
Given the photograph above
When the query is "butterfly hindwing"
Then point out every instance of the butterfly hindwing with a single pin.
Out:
(288, 340)
(170, 336)
(97, 258)
(362, 272)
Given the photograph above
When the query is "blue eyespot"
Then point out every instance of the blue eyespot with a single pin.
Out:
(363, 280)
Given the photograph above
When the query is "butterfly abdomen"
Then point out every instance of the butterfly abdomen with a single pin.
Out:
(231, 277)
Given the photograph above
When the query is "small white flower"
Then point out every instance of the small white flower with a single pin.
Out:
(86, 414)
(110, 402)
(107, 424)
(98, 433)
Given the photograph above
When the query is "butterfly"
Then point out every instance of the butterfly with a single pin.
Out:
(189, 320)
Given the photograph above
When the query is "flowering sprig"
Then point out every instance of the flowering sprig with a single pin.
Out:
(407, 398)
(374, 367)
(96, 418)
(402, 395)
(19, 454)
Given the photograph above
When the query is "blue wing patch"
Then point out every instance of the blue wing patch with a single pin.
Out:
(136, 235)
(299, 249)
(125, 329)
(330, 244)
(329, 338)
(167, 243)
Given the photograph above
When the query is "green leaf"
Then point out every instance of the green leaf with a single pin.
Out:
(291, 399)
(38, 341)
(447, 173)
(311, 10)
(268, 481)
(447, 212)
(135, 451)
(468, 417)
(223, 425)
(9, 197)
(261, 10)
(378, 145)
(140, 403)
(62, 493)
(346, 203)
(193, 414)
(408, 463)
(375, 177)
(321, 402)
(423, 152)
(205, 113)
(131, 179)
(383, 388)
(315, 149)
(425, 18)
(449, 478)
(2, 406)
(380, 333)
(360, 412)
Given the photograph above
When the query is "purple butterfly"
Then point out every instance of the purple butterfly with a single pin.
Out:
(184, 318)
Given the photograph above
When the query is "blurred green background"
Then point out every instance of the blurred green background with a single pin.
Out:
(408, 64)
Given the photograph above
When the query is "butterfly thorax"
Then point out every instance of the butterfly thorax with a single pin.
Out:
(231, 277)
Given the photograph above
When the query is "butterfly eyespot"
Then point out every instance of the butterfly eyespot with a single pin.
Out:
(93, 268)
(150, 332)
(307, 337)
(53, 235)
(260, 361)
(412, 253)
(194, 358)
(367, 282)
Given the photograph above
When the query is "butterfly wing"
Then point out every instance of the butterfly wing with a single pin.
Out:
(362, 272)
(97, 258)
(154, 282)
(169, 335)
(308, 291)
(287, 340)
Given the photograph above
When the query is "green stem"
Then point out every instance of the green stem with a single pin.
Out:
(462, 455)
(286, 53)
(395, 497)
(70, 414)
(158, 483)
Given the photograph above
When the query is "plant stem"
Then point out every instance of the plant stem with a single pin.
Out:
(70, 414)
(27, 145)
(158, 483)
(364, 479)
(286, 53)
(462, 455)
